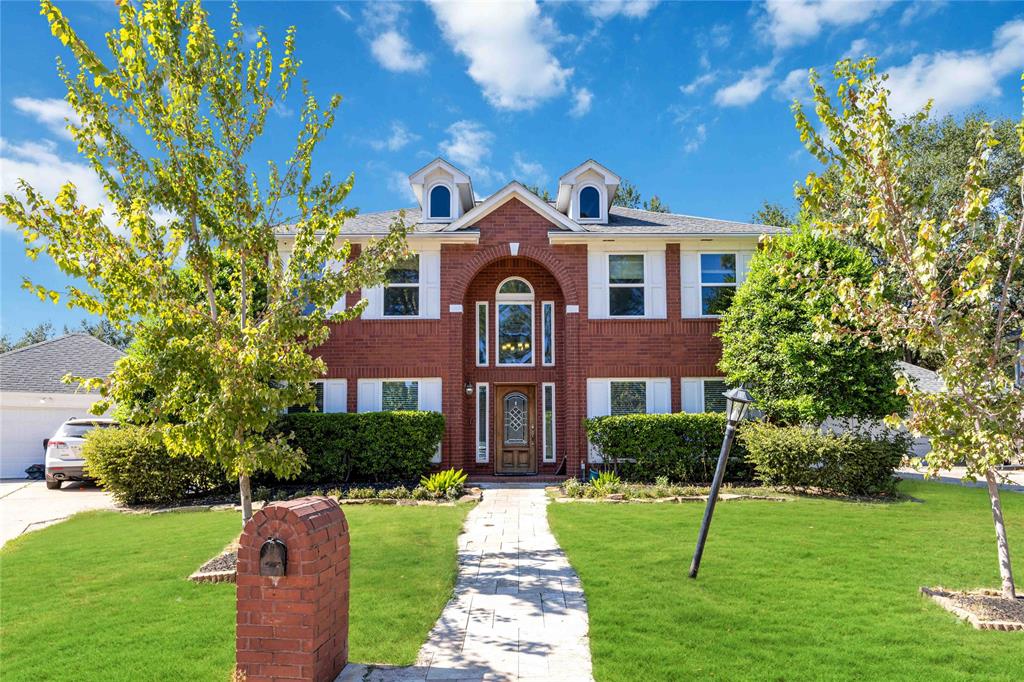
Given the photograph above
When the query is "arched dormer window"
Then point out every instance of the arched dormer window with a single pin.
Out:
(590, 203)
(514, 324)
(440, 202)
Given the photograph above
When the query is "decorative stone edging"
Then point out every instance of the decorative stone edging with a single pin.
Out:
(619, 499)
(943, 598)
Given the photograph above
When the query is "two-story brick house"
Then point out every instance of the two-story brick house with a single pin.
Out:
(517, 317)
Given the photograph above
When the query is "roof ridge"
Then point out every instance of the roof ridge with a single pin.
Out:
(690, 215)
(53, 340)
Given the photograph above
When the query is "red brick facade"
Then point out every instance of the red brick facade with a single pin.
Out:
(395, 348)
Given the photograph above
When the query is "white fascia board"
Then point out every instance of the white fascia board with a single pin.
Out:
(457, 175)
(363, 238)
(570, 177)
(689, 238)
(513, 190)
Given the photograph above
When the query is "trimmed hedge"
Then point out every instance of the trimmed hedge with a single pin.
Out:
(132, 463)
(848, 463)
(377, 446)
(682, 447)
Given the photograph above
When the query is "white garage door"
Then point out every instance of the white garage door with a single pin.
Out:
(26, 420)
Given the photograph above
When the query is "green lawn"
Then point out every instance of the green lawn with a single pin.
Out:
(807, 590)
(103, 596)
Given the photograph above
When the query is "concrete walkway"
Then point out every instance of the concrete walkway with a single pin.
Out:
(28, 505)
(1009, 479)
(518, 611)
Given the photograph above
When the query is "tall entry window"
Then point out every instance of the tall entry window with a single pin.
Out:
(514, 323)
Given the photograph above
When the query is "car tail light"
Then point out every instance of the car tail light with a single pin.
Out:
(57, 443)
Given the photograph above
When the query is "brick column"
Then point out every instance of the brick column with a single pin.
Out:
(295, 626)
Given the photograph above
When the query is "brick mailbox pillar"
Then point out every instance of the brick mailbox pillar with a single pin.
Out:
(293, 626)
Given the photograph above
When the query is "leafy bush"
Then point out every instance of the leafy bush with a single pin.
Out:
(848, 463)
(398, 493)
(360, 493)
(447, 483)
(132, 463)
(421, 493)
(572, 487)
(377, 446)
(606, 483)
(679, 447)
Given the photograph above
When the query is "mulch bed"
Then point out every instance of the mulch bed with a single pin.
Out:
(984, 609)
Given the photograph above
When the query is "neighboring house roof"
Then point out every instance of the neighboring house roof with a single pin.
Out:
(925, 379)
(39, 368)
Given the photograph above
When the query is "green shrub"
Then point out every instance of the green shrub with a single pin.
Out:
(398, 493)
(848, 463)
(447, 483)
(132, 463)
(375, 446)
(360, 493)
(572, 487)
(606, 483)
(421, 493)
(679, 447)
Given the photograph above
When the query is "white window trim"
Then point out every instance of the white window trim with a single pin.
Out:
(419, 294)
(700, 277)
(702, 380)
(554, 422)
(602, 203)
(543, 306)
(487, 325)
(485, 456)
(642, 285)
(514, 299)
(451, 198)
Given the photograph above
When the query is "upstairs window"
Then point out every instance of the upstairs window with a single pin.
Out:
(514, 322)
(440, 202)
(590, 204)
(402, 290)
(626, 285)
(717, 282)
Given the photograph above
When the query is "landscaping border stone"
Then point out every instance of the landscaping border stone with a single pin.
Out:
(953, 602)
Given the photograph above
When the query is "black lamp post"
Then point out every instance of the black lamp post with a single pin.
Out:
(736, 403)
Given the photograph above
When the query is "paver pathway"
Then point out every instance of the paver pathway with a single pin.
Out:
(518, 612)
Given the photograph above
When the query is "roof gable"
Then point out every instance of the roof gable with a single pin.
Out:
(513, 190)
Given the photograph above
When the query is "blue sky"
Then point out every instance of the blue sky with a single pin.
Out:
(689, 101)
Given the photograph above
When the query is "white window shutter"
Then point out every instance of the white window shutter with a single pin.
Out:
(335, 395)
(659, 396)
(374, 302)
(430, 400)
(689, 271)
(339, 305)
(743, 265)
(598, 405)
(654, 289)
(597, 277)
(368, 395)
(430, 284)
(693, 395)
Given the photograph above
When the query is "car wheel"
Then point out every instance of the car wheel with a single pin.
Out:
(53, 485)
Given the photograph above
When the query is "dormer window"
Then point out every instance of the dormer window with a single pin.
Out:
(590, 204)
(440, 201)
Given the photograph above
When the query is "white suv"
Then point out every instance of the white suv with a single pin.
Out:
(64, 461)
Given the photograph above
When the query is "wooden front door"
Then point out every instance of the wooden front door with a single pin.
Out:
(515, 414)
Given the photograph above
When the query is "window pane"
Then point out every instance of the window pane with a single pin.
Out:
(400, 395)
(516, 419)
(481, 334)
(318, 388)
(481, 423)
(714, 401)
(626, 301)
(515, 333)
(718, 268)
(549, 423)
(515, 286)
(440, 202)
(629, 397)
(626, 269)
(405, 271)
(402, 300)
(716, 300)
(548, 325)
(590, 203)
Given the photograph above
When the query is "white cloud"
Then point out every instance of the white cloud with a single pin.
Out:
(341, 12)
(696, 139)
(793, 22)
(746, 89)
(794, 86)
(507, 48)
(956, 80)
(858, 48)
(583, 99)
(634, 9)
(394, 52)
(697, 83)
(400, 136)
(468, 146)
(398, 183)
(721, 35)
(39, 164)
(528, 172)
(52, 112)
(921, 9)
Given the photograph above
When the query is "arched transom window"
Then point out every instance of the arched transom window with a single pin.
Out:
(590, 204)
(440, 201)
(514, 328)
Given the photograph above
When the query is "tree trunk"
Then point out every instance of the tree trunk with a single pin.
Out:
(246, 495)
(1005, 568)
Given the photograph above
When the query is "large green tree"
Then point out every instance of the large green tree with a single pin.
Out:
(169, 119)
(948, 284)
(769, 343)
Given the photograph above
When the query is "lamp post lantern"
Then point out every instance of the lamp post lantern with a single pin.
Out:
(737, 401)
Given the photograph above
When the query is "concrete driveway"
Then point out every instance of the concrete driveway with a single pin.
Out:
(28, 505)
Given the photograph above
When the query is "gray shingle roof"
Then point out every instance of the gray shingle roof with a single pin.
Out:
(39, 368)
(925, 379)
